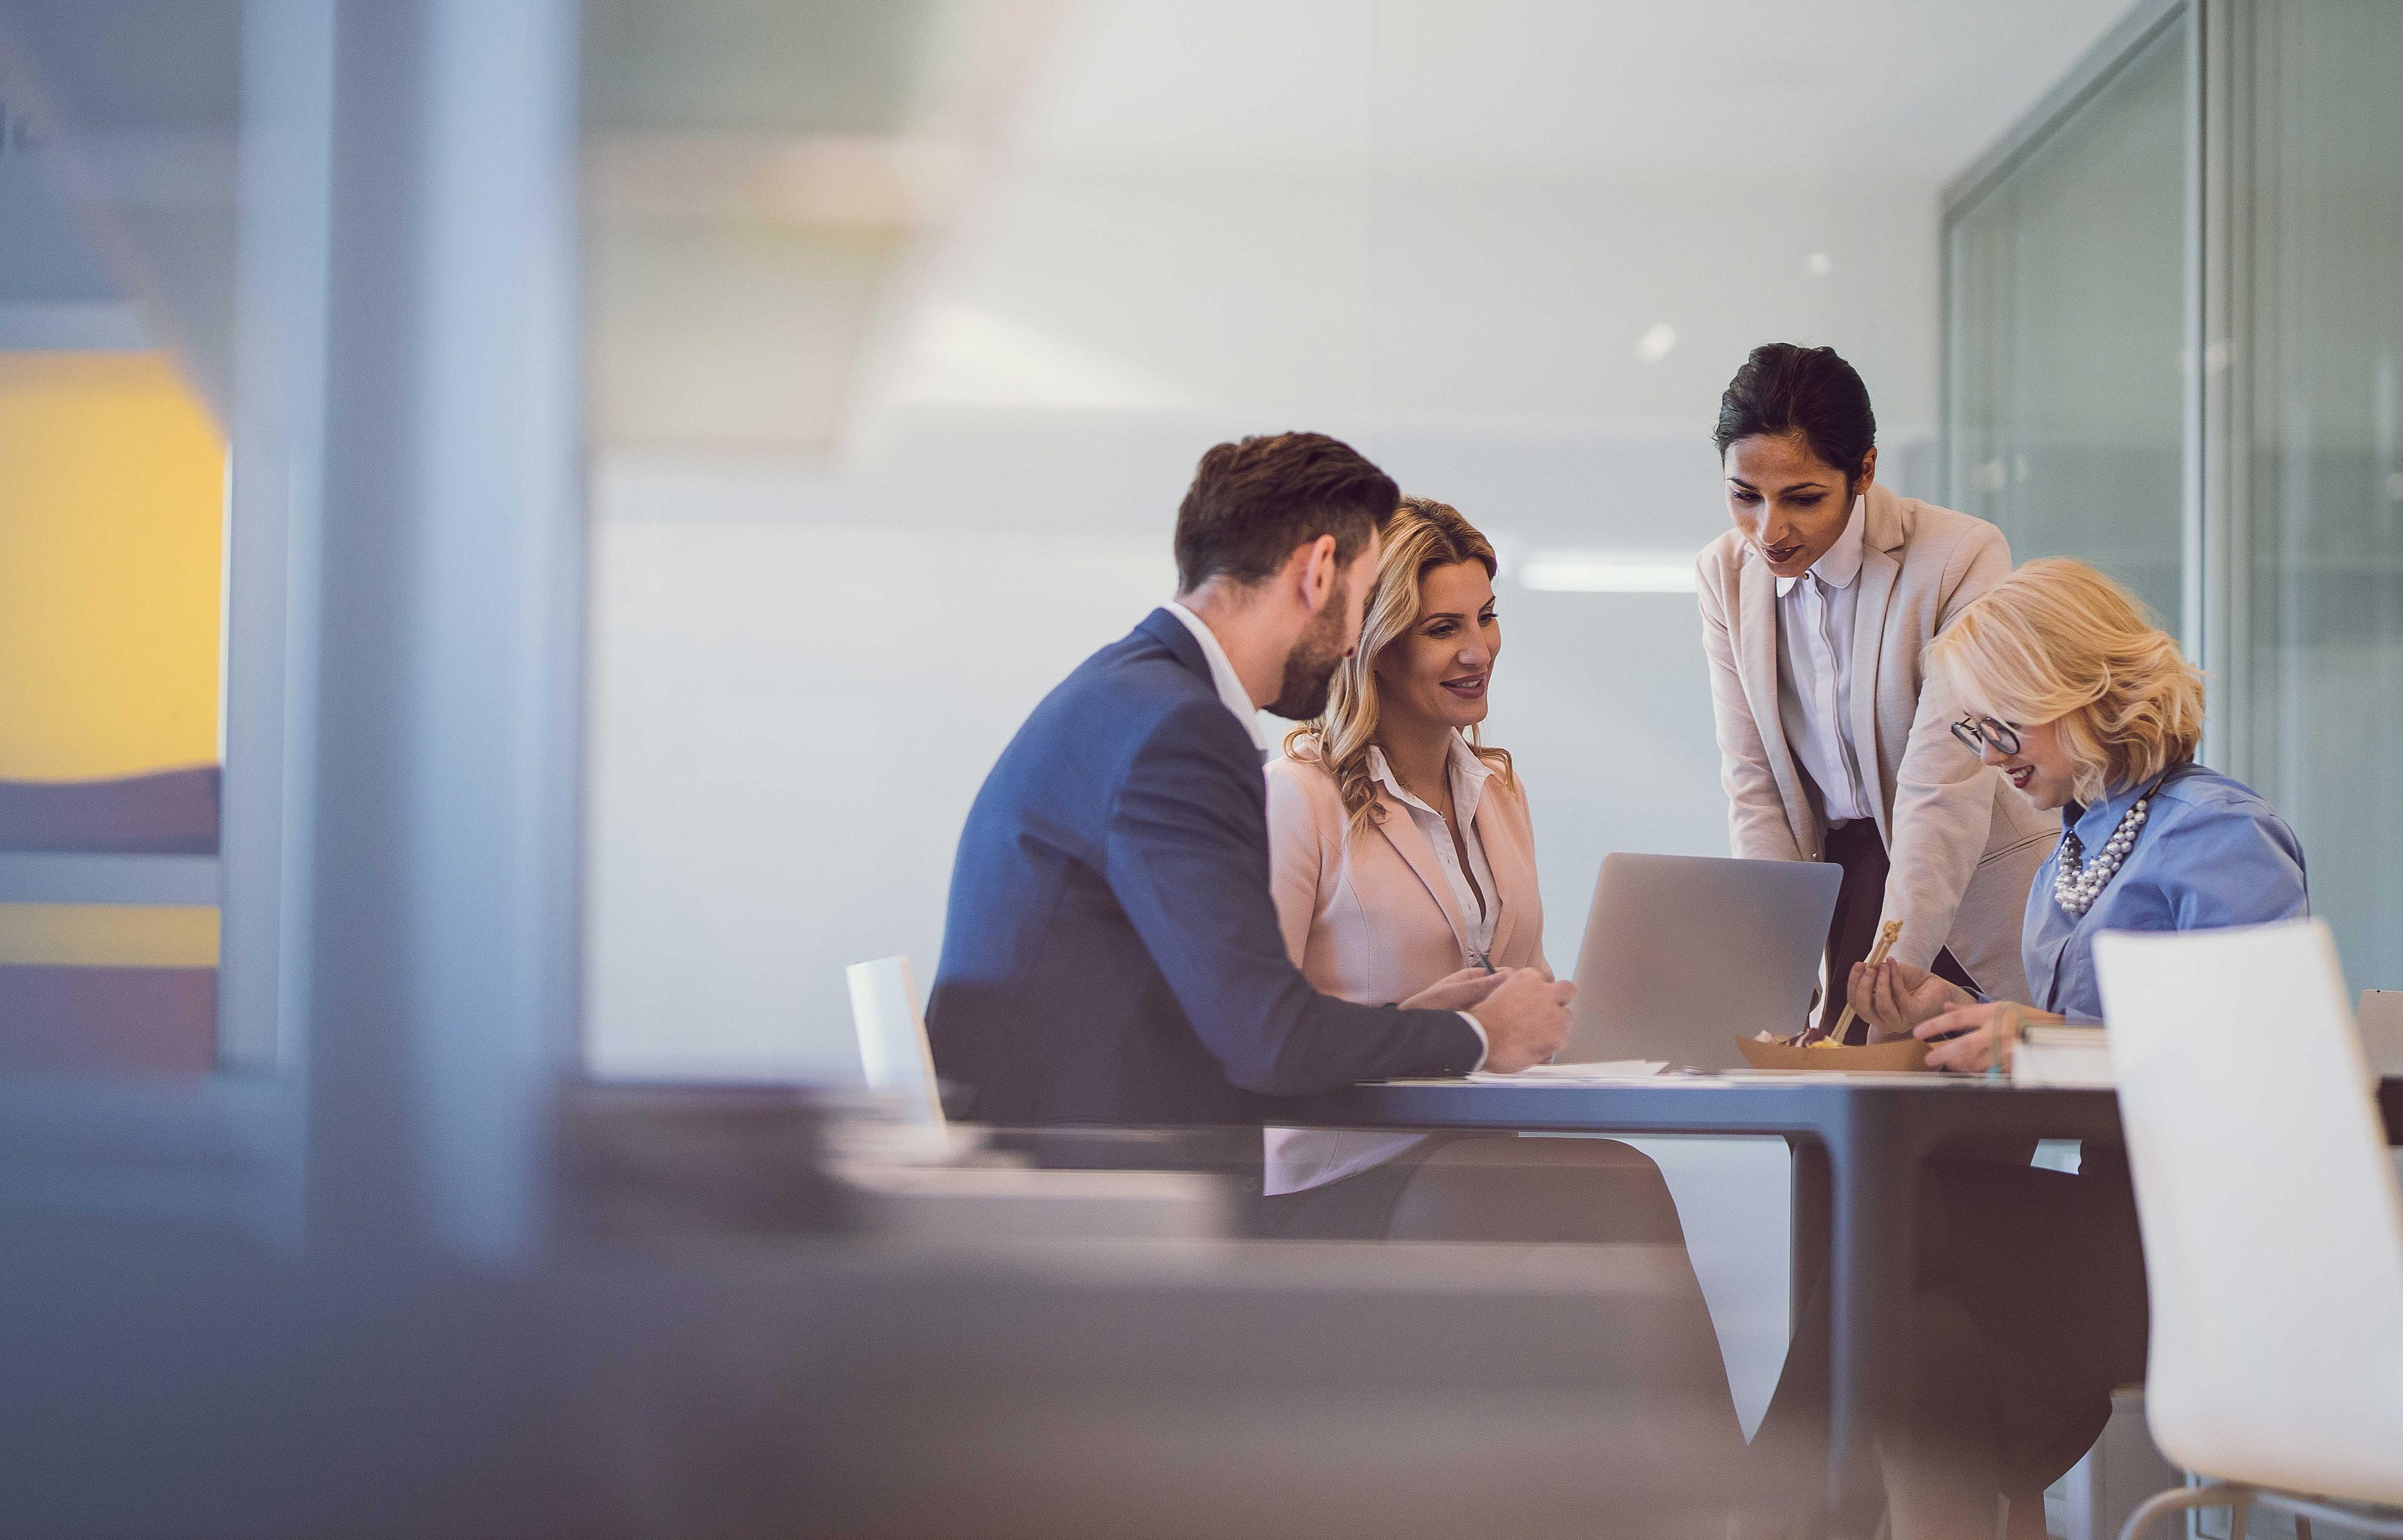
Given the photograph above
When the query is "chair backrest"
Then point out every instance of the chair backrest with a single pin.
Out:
(892, 1038)
(2273, 1231)
(2380, 1019)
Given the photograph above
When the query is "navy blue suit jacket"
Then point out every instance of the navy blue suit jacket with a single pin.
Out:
(1112, 953)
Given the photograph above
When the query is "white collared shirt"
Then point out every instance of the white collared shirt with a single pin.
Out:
(1814, 670)
(1476, 905)
(1223, 675)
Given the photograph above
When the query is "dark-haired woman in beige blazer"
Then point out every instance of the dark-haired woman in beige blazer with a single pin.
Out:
(1816, 608)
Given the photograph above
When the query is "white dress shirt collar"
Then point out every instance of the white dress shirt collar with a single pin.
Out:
(1222, 674)
(1842, 562)
(1467, 771)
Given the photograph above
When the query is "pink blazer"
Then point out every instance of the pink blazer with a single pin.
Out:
(1368, 917)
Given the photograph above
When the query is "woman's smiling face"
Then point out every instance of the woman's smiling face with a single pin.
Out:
(1437, 670)
(1789, 503)
(2042, 769)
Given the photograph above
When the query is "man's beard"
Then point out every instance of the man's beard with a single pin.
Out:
(1309, 667)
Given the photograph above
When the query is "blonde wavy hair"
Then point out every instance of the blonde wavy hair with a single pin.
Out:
(1424, 535)
(2058, 642)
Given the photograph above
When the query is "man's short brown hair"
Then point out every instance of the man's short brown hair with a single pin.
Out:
(1252, 502)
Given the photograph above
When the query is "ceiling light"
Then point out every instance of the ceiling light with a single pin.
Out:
(1606, 571)
(1818, 264)
(1654, 345)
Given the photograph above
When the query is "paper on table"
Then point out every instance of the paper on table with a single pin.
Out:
(1616, 1069)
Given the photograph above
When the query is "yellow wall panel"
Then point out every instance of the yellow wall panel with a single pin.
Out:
(123, 936)
(112, 538)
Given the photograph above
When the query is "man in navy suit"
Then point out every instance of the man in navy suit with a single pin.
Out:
(1112, 953)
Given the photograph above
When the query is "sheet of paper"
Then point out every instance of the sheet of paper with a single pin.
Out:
(1615, 1069)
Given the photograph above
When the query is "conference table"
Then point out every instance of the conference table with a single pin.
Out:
(1858, 1143)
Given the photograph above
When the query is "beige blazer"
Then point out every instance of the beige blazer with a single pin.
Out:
(1963, 845)
(1368, 917)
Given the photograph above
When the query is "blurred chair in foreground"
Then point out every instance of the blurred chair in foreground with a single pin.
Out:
(893, 1050)
(924, 1177)
(2273, 1230)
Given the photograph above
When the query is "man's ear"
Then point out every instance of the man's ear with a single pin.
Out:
(1314, 567)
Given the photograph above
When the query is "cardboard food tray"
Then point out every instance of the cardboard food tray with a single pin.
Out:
(1905, 1054)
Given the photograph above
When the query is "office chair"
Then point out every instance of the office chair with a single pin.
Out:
(893, 1049)
(2272, 1226)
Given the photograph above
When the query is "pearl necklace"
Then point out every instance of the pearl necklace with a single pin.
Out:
(2075, 885)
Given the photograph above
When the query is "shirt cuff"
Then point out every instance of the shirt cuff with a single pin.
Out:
(1484, 1044)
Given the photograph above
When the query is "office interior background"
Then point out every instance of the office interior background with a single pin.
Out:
(847, 361)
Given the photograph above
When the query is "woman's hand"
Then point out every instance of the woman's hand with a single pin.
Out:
(1971, 1032)
(1464, 990)
(1895, 997)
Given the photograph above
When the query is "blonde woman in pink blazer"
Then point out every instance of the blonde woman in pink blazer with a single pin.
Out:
(1401, 854)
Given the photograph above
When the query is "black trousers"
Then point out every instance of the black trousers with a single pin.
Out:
(1855, 847)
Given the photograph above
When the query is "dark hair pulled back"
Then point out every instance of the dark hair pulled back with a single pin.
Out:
(1783, 388)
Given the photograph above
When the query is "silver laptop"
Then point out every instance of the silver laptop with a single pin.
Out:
(1684, 954)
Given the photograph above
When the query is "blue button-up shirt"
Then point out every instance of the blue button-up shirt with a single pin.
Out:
(2210, 853)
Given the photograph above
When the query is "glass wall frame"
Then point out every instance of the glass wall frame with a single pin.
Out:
(2287, 546)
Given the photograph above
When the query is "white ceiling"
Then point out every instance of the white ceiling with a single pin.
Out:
(1559, 216)
(1893, 88)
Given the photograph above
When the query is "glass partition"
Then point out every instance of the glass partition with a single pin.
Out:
(2267, 526)
(2067, 280)
(2317, 686)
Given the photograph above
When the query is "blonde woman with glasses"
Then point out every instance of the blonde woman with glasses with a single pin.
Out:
(2090, 710)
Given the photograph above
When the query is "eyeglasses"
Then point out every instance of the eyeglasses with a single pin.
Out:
(1975, 732)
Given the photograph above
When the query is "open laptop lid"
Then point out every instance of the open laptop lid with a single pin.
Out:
(1684, 954)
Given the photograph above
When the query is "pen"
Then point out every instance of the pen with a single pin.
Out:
(1482, 960)
(1887, 934)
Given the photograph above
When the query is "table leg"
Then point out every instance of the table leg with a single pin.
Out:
(1809, 1243)
(1874, 1178)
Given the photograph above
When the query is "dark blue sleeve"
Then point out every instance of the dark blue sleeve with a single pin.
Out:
(1187, 854)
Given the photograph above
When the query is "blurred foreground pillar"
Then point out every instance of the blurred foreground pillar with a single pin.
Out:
(436, 928)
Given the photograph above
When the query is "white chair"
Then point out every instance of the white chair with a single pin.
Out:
(922, 1180)
(2273, 1231)
(893, 1049)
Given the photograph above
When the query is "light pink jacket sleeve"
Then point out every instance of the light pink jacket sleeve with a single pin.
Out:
(1304, 854)
(1757, 829)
